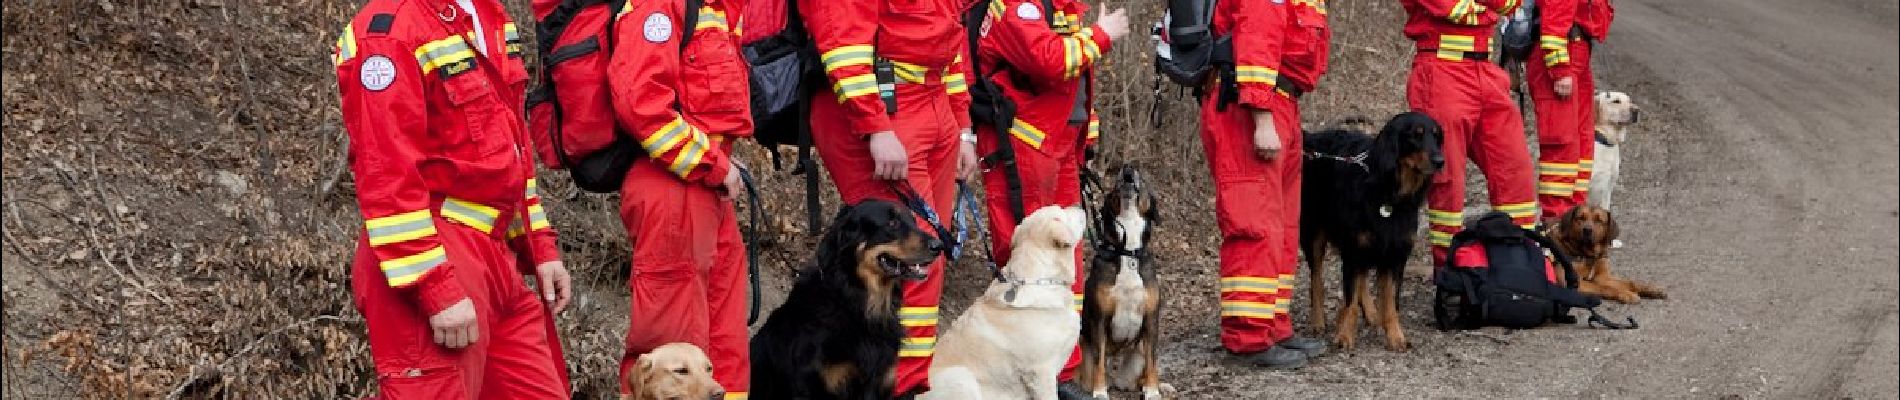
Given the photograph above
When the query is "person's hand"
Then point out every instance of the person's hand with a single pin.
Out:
(1266, 139)
(888, 159)
(1564, 86)
(455, 326)
(732, 183)
(968, 164)
(556, 287)
(1114, 23)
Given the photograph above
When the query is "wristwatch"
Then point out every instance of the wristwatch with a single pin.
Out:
(969, 136)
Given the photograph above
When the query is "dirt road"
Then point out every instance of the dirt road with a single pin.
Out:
(1760, 189)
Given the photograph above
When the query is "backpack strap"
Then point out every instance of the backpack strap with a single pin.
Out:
(1005, 155)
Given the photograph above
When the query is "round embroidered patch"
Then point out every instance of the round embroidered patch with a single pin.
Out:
(658, 28)
(376, 73)
(1028, 11)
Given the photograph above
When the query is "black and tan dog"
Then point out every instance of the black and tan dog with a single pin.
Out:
(1361, 195)
(1585, 234)
(1122, 303)
(837, 334)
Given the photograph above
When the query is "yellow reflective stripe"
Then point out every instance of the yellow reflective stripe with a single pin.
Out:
(1095, 128)
(537, 217)
(917, 316)
(1556, 188)
(1248, 284)
(1090, 50)
(955, 83)
(1027, 133)
(1556, 169)
(736, 396)
(443, 52)
(917, 346)
(666, 137)
(997, 8)
(1586, 164)
(1457, 43)
(1071, 57)
(1253, 309)
(845, 56)
(1509, 5)
(530, 192)
(1583, 185)
(346, 45)
(399, 228)
(689, 157)
(469, 213)
(1445, 218)
(1466, 12)
(908, 72)
(1255, 74)
(710, 18)
(404, 270)
(1556, 56)
(1552, 41)
(1440, 239)
(855, 86)
(1519, 210)
(1078, 302)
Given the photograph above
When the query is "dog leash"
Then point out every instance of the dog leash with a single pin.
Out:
(969, 208)
(909, 196)
(752, 242)
(1356, 159)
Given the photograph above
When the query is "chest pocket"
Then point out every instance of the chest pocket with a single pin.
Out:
(484, 129)
(712, 78)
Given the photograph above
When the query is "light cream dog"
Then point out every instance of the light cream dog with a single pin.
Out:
(1615, 113)
(674, 371)
(1011, 343)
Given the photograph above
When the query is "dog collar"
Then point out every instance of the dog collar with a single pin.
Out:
(1009, 296)
(1356, 159)
(1604, 139)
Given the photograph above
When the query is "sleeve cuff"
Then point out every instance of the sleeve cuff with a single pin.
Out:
(1102, 40)
(717, 167)
(438, 290)
(1256, 95)
(875, 121)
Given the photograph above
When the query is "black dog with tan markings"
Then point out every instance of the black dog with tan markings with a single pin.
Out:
(1121, 311)
(837, 335)
(1362, 196)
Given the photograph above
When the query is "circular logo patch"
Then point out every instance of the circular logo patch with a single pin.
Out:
(658, 28)
(1028, 11)
(376, 73)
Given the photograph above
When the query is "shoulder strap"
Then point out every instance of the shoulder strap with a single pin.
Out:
(1556, 253)
(690, 22)
(1005, 155)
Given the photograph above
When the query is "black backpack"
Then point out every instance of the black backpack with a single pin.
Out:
(1512, 285)
(1518, 34)
(570, 112)
(783, 74)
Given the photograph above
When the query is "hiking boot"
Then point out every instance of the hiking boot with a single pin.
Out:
(1071, 391)
(1309, 346)
(1277, 357)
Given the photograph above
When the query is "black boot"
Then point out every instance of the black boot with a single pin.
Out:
(1277, 357)
(1309, 346)
(1071, 391)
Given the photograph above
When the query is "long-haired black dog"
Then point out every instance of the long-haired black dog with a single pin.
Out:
(1361, 194)
(837, 334)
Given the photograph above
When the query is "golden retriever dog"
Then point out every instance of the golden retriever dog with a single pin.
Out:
(675, 371)
(1615, 113)
(1585, 234)
(1011, 343)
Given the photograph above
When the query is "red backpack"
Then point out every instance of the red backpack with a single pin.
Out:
(570, 111)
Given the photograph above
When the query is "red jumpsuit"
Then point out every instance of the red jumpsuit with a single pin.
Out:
(1280, 51)
(1453, 82)
(433, 104)
(1566, 125)
(686, 107)
(925, 43)
(1046, 71)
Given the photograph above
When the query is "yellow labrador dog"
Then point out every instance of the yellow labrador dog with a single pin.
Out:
(1615, 113)
(1011, 343)
(674, 371)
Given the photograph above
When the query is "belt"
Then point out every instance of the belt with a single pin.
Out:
(1466, 55)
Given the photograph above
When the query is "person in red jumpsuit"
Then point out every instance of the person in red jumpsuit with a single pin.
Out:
(1558, 71)
(1252, 140)
(432, 98)
(892, 120)
(1042, 61)
(1453, 82)
(686, 106)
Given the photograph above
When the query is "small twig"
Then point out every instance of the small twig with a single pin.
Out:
(1486, 335)
(193, 377)
(41, 273)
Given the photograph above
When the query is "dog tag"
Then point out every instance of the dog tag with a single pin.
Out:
(1009, 296)
(1385, 211)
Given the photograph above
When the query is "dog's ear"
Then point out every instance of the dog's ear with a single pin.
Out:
(633, 380)
(1609, 224)
(1062, 230)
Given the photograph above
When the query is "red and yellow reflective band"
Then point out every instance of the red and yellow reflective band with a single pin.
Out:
(403, 271)
(1443, 219)
(668, 137)
(736, 396)
(345, 45)
(924, 346)
(846, 56)
(955, 84)
(1077, 303)
(469, 213)
(1256, 74)
(1250, 284)
(1454, 47)
(1556, 188)
(855, 86)
(1254, 309)
(1027, 133)
(1556, 169)
(1525, 211)
(710, 18)
(399, 228)
(511, 39)
(1095, 127)
(1466, 12)
(1317, 5)
(689, 157)
(911, 317)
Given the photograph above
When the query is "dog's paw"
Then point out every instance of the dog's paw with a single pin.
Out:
(1627, 298)
(1398, 344)
(1654, 294)
(1158, 392)
(1344, 339)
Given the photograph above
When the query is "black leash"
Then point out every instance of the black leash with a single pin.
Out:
(908, 195)
(966, 200)
(752, 242)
